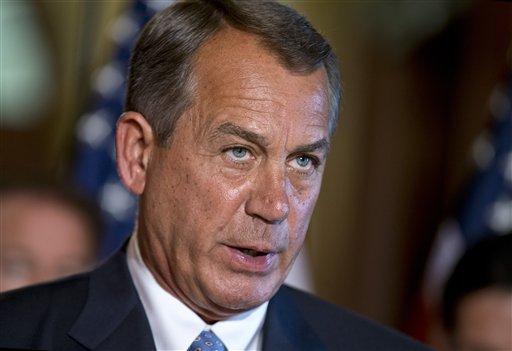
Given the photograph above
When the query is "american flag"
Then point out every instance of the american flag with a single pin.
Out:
(486, 207)
(95, 169)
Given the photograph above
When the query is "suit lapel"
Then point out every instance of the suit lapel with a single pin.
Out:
(285, 326)
(113, 316)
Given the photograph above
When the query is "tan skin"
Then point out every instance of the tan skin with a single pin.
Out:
(41, 240)
(484, 321)
(243, 171)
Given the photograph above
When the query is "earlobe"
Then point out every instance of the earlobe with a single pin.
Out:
(134, 142)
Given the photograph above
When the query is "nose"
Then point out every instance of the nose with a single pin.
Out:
(269, 199)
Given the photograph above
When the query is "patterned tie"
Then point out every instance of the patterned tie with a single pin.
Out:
(207, 341)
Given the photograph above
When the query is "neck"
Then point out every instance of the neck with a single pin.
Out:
(154, 258)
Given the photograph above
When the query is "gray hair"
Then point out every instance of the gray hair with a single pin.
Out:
(159, 83)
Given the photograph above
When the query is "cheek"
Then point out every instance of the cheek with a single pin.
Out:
(303, 205)
(213, 199)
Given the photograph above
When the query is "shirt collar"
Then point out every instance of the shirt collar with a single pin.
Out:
(175, 326)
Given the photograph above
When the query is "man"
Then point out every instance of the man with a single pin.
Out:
(46, 233)
(229, 113)
(477, 301)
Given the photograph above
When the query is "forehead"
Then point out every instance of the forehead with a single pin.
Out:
(234, 65)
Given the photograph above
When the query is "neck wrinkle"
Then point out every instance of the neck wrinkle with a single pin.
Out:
(151, 262)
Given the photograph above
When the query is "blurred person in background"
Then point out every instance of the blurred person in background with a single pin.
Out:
(477, 300)
(46, 233)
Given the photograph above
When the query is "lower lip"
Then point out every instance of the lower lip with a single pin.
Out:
(253, 264)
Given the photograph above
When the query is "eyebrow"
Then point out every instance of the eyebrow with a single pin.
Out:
(321, 144)
(232, 129)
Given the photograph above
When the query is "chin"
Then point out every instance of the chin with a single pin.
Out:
(244, 294)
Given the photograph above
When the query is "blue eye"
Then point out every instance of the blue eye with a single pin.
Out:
(303, 161)
(239, 152)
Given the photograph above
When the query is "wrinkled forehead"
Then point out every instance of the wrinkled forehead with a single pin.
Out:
(236, 63)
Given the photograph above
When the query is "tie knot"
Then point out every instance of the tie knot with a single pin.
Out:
(207, 341)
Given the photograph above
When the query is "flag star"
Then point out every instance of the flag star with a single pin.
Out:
(117, 201)
(500, 218)
(94, 128)
(108, 79)
(124, 29)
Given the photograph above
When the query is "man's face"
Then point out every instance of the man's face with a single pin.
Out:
(226, 206)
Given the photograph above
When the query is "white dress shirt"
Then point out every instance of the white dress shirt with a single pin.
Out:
(175, 326)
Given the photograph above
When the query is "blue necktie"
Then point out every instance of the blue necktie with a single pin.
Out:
(207, 341)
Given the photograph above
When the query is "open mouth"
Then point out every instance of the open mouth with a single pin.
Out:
(251, 252)
(255, 258)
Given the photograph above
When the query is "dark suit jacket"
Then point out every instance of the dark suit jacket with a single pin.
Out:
(101, 310)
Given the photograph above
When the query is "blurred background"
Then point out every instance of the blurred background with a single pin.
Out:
(425, 116)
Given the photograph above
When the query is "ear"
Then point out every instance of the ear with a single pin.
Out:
(134, 143)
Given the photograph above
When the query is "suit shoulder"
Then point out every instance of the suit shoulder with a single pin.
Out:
(329, 320)
(26, 313)
(40, 296)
